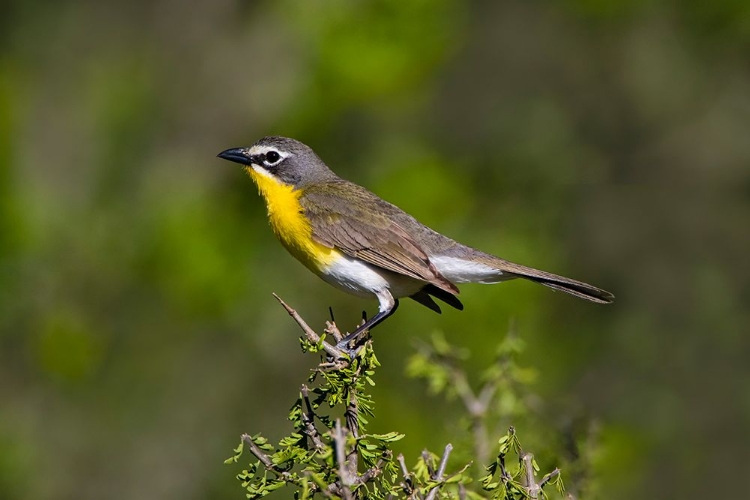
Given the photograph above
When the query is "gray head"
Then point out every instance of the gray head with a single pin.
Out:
(287, 160)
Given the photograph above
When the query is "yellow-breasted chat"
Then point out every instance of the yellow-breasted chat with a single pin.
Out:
(366, 246)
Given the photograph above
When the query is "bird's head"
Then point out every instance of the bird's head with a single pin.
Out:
(282, 159)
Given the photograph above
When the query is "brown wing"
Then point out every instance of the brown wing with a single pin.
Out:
(358, 223)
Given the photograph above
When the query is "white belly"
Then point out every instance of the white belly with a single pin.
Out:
(359, 278)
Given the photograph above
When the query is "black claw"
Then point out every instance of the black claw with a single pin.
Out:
(350, 351)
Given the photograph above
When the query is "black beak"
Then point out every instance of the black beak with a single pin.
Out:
(237, 155)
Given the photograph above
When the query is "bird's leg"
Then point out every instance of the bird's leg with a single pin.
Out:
(388, 306)
(354, 337)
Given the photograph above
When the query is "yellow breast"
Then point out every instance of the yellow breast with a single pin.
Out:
(288, 223)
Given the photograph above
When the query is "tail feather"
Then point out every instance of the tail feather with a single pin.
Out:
(468, 265)
(573, 287)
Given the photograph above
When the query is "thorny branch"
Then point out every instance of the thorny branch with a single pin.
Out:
(441, 470)
(308, 419)
(339, 438)
(407, 484)
(375, 471)
(260, 455)
(352, 423)
(333, 330)
(548, 477)
(532, 487)
(313, 337)
(348, 483)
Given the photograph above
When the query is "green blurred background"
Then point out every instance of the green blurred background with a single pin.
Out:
(604, 140)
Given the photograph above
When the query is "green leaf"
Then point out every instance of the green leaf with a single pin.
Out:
(237, 454)
(388, 437)
(291, 440)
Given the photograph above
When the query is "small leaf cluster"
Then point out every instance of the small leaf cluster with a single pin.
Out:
(306, 459)
(516, 481)
(329, 454)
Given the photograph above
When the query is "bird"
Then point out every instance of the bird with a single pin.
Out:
(366, 246)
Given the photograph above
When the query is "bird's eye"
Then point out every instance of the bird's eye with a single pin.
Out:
(272, 157)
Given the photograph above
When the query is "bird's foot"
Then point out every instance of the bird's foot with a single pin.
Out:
(353, 343)
(350, 350)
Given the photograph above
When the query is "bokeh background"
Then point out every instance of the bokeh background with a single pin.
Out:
(604, 140)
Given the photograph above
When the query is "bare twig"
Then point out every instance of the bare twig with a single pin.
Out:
(533, 489)
(259, 454)
(374, 472)
(407, 483)
(352, 422)
(313, 337)
(444, 461)
(333, 366)
(503, 471)
(441, 470)
(264, 459)
(339, 438)
(427, 459)
(548, 477)
(333, 330)
(308, 419)
(352, 413)
(404, 468)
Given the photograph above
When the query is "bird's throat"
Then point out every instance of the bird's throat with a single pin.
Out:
(286, 216)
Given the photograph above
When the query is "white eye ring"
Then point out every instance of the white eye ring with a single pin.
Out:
(272, 157)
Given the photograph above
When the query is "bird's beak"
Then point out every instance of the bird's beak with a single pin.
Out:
(237, 155)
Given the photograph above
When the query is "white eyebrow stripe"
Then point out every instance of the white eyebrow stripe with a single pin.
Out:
(262, 150)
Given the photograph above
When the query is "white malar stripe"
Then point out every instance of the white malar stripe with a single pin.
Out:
(458, 270)
(262, 171)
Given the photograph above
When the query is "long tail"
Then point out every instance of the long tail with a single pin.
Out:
(573, 287)
(462, 264)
